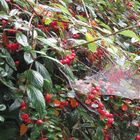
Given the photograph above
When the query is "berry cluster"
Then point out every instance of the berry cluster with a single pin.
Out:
(96, 57)
(93, 99)
(13, 46)
(69, 58)
(99, 54)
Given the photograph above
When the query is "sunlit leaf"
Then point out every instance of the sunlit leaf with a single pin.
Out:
(91, 46)
(129, 33)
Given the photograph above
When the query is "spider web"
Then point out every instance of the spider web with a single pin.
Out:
(115, 80)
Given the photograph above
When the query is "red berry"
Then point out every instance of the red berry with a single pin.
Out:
(91, 96)
(73, 51)
(48, 98)
(109, 115)
(4, 22)
(67, 61)
(73, 54)
(53, 24)
(17, 62)
(106, 137)
(76, 36)
(124, 107)
(13, 46)
(39, 122)
(12, 31)
(62, 61)
(137, 137)
(24, 117)
(110, 120)
(23, 108)
(94, 91)
(43, 139)
(64, 41)
(138, 69)
(23, 104)
(129, 4)
(97, 88)
(102, 112)
(71, 57)
(111, 97)
(100, 105)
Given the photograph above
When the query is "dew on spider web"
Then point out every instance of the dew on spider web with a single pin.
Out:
(116, 81)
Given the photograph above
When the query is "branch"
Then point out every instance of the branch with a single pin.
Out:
(100, 38)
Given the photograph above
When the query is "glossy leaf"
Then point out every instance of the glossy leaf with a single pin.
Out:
(22, 39)
(4, 5)
(36, 98)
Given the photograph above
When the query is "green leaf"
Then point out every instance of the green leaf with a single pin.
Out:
(4, 5)
(47, 79)
(99, 134)
(63, 9)
(28, 58)
(129, 33)
(50, 42)
(42, 70)
(52, 59)
(34, 78)
(2, 107)
(9, 59)
(22, 39)
(91, 46)
(48, 21)
(37, 99)
(69, 73)
(78, 41)
(1, 119)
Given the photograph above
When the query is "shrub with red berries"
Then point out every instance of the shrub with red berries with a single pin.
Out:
(69, 70)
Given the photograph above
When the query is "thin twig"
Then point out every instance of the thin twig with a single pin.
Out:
(99, 38)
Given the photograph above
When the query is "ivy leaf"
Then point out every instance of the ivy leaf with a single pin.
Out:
(34, 78)
(91, 46)
(129, 33)
(4, 5)
(37, 99)
(22, 39)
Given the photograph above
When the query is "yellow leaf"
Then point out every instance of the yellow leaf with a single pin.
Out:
(91, 46)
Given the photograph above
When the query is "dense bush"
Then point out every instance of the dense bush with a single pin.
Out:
(69, 70)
